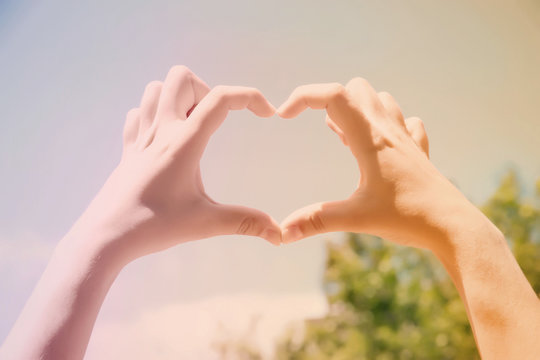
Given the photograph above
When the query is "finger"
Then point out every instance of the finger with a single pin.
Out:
(149, 104)
(213, 109)
(415, 128)
(365, 96)
(392, 108)
(335, 99)
(180, 92)
(341, 107)
(234, 219)
(314, 96)
(316, 219)
(332, 125)
(131, 127)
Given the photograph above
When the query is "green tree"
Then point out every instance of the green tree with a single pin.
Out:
(391, 302)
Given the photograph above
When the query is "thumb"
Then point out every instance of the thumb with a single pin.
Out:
(316, 219)
(235, 219)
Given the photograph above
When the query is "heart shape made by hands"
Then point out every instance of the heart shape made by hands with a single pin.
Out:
(166, 136)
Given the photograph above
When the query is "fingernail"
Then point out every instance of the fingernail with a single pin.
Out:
(291, 234)
(272, 236)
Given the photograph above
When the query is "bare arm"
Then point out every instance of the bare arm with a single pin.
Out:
(402, 197)
(503, 309)
(153, 200)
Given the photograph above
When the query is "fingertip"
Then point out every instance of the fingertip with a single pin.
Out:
(291, 234)
(283, 111)
(279, 112)
(270, 111)
(272, 236)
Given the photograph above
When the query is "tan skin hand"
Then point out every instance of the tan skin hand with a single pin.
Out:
(156, 194)
(398, 184)
(402, 197)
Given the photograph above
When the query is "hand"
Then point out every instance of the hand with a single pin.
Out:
(400, 193)
(155, 198)
(402, 197)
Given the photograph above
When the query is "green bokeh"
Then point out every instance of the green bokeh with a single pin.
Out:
(392, 302)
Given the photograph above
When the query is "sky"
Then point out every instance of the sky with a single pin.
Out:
(70, 71)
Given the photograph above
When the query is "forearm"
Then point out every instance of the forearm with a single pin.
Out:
(503, 309)
(57, 320)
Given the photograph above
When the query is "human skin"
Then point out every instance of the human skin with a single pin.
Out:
(402, 197)
(152, 201)
(155, 199)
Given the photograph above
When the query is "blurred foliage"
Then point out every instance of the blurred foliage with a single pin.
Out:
(241, 347)
(391, 302)
(385, 302)
(519, 220)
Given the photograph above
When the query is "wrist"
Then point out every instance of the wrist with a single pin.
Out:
(115, 230)
(100, 242)
(465, 236)
(452, 223)
(89, 251)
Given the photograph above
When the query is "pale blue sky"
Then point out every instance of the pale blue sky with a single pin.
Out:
(69, 72)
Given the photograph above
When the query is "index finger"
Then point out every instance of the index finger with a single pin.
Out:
(333, 97)
(213, 109)
(314, 96)
(181, 91)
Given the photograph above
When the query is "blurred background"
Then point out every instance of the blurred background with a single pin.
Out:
(69, 71)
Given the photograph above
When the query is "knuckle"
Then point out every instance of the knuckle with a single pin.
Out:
(247, 226)
(133, 113)
(220, 93)
(357, 81)
(153, 86)
(316, 222)
(180, 71)
(220, 90)
(300, 90)
(415, 122)
(251, 91)
(385, 95)
(338, 91)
